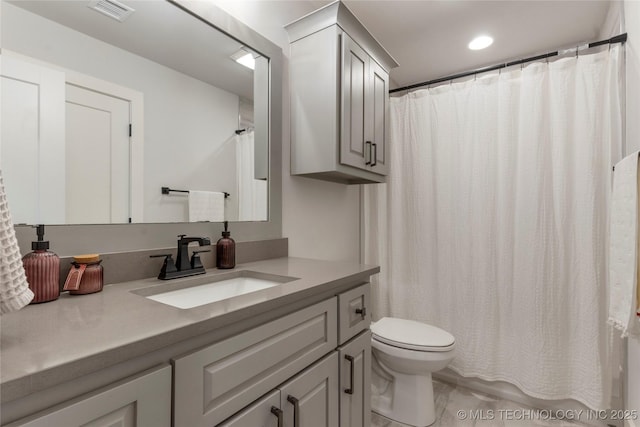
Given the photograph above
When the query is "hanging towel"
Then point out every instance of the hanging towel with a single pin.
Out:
(623, 248)
(14, 289)
(206, 206)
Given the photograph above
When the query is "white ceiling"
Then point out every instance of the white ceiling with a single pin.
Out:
(429, 38)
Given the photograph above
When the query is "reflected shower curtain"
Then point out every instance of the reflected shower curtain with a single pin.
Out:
(252, 193)
(493, 222)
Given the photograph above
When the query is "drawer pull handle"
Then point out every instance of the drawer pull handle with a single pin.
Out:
(362, 312)
(278, 413)
(296, 410)
(368, 145)
(351, 361)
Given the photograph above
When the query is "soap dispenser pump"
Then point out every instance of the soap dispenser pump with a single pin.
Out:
(226, 249)
(42, 268)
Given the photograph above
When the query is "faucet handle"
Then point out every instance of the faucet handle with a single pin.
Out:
(196, 262)
(168, 266)
(181, 236)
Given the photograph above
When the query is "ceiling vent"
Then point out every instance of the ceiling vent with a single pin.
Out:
(111, 8)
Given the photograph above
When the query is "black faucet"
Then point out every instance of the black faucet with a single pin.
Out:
(183, 266)
(182, 259)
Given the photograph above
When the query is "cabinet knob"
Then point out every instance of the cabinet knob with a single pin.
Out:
(362, 312)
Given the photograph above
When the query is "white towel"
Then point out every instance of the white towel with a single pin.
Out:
(14, 289)
(206, 206)
(623, 245)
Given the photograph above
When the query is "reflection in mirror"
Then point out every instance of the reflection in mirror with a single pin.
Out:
(101, 108)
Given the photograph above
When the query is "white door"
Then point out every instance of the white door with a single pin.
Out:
(32, 153)
(98, 157)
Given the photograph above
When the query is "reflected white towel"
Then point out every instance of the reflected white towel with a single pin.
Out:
(623, 244)
(206, 206)
(14, 289)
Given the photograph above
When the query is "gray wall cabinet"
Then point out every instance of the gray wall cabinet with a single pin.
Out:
(142, 401)
(339, 76)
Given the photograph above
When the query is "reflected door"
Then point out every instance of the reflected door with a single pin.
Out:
(98, 157)
(32, 141)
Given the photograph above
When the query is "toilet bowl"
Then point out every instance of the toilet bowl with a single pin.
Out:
(405, 353)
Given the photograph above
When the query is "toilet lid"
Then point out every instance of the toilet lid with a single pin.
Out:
(411, 335)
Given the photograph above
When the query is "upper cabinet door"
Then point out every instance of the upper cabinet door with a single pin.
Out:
(356, 120)
(378, 104)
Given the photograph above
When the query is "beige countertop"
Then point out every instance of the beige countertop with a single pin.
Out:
(47, 344)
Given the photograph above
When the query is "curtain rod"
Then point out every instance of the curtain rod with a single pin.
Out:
(616, 39)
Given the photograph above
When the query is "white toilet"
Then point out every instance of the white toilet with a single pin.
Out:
(405, 353)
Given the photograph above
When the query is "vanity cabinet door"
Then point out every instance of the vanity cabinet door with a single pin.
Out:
(265, 412)
(310, 399)
(144, 401)
(355, 382)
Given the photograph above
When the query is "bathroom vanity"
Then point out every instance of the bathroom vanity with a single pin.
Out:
(295, 352)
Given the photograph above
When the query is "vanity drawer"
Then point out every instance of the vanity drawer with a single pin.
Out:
(214, 383)
(354, 312)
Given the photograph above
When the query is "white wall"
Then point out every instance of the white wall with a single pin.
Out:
(321, 219)
(188, 123)
(632, 25)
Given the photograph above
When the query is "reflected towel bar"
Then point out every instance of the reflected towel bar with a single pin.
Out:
(167, 190)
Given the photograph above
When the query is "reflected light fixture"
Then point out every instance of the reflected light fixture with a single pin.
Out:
(480, 42)
(245, 58)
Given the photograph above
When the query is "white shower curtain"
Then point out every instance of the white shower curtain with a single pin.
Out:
(252, 193)
(493, 223)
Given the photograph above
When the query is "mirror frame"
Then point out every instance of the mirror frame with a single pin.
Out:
(68, 240)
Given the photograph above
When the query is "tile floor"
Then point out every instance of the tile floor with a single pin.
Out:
(450, 401)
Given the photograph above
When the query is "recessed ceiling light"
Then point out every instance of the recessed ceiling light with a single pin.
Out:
(480, 42)
(245, 58)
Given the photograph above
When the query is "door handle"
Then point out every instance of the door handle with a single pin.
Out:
(296, 410)
(351, 361)
(367, 145)
(362, 312)
(278, 413)
(375, 154)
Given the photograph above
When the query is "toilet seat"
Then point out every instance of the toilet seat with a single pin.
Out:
(412, 335)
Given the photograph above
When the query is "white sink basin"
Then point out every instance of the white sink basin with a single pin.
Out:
(201, 291)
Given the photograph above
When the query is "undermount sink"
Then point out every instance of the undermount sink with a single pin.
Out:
(205, 290)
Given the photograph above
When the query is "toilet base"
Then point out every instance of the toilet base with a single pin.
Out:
(407, 400)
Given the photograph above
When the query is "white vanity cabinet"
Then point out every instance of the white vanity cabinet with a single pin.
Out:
(339, 76)
(142, 401)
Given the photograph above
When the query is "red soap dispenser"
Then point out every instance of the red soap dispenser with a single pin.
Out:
(226, 249)
(42, 268)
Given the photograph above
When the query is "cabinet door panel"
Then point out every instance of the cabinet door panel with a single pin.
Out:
(143, 401)
(316, 392)
(258, 414)
(379, 104)
(355, 382)
(355, 117)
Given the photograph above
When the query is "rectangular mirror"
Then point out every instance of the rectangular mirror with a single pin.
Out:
(130, 111)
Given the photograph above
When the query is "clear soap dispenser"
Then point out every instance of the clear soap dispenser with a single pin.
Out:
(226, 249)
(42, 268)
